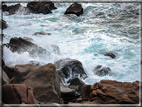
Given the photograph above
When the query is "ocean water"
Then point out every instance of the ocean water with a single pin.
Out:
(103, 27)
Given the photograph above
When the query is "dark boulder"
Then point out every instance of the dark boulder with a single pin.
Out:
(68, 95)
(4, 25)
(76, 84)
(111, 92)
(9, 70)
(43, 80)
(22, 45)
(111, 55)
(75, 8)
(101, 71)
(17, 94)
(69, 68)
(11, 9)
(41, 7)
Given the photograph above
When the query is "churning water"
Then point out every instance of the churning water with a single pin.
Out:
(103, 27)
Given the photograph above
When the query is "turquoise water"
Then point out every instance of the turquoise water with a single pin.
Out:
(104, 27)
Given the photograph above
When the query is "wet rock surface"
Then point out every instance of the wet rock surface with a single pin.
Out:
(110, 54)
(75, 8)
(4, 25)
(22, 45)
(41, 7)
(101, 70)
(69, 68)
(11, 9)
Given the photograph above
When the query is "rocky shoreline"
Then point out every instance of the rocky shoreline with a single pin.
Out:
(59, 83)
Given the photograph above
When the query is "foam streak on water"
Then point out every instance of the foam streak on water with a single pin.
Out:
(111, 27)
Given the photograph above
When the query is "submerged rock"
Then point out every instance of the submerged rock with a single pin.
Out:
(4, 25)
(111, 55)
(41, 7)
(22, 45)
(41, 33)
(11, 9)
(69, 68)
(101, 71)
(111, 92)
(44, 81)
(17, 94)
(75, 8)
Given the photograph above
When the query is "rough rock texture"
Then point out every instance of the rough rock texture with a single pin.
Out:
(76, 84)
(101, 71)
(9, 70)
(41, 7)
(4, 24)
(43, 79)
(69, 68)
(68, 95)
(75, 8)
(22, 45)
(111, 55)
(111, 92)
(11, 9)
(17, 94)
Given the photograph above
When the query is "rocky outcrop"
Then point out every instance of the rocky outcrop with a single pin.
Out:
(110, 54)
(4, 25)
(76, 84)
(101, 71)
(11, 9)
(68, 95)
(43, 80)
(17, 94)
(22, 45)
(111, 92)
(41, 7)
(69, 68)
(75, 8)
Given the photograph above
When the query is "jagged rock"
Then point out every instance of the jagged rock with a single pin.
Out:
(76, 84)
(22, 45)
(111, 55)
(69, 68)
(68, 95)
(41, 7)
(17, 94)
(9, 70)
(101, 71)
(4, 25)
(5, 78)
(44, 81)
(111, 92)
(11, 9)
(75, 8)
